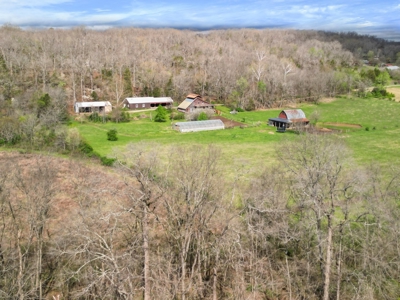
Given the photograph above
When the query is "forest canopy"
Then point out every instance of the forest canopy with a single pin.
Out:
(247, 68)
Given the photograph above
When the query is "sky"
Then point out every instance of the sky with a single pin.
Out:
(380, 18)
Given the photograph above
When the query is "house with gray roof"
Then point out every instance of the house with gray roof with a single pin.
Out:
(194, 102)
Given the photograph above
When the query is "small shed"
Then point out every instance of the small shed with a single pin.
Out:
(147, 102)
(94, 106)
(194, 102)
(289, 118)
(199, 125)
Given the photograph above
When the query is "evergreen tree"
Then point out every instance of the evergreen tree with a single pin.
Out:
(161, 115)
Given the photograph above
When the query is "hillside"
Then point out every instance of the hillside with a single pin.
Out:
(240, 213)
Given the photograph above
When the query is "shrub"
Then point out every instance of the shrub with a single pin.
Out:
(112, 135)
(107, 161)
(177, 115)
(95, 117)
(380, 92)
(195, 115)
(120, 115)
(85, 148)
(202, 116)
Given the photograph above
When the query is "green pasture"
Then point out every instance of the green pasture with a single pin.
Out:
(253, 147)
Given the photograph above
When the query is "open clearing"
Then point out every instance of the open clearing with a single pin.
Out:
(370, 127)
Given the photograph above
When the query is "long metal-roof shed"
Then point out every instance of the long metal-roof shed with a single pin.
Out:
(147, 102)
(134, 100)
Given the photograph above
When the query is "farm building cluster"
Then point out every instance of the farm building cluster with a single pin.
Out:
(193, 103)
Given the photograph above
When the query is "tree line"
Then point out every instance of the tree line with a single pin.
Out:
(244, 68)
(314, 226)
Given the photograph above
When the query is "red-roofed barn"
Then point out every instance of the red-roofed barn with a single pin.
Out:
(289, 118)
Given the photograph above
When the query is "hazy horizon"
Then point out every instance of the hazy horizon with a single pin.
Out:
(370, 18)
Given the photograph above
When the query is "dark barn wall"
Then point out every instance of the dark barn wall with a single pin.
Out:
(147, 105)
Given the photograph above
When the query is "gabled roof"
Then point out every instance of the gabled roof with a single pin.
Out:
(186, 103)
(137, 100)
(93, 104)
(189, 100)
(294, 114)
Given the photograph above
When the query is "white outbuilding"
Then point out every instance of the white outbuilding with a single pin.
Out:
(94, 106)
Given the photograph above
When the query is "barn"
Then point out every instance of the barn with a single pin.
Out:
(199, 125)
(194, 102)
(289, 119)
(94, 106)
(147, 102)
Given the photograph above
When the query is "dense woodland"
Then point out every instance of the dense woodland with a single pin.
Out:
(43, 73)
(249, 68)
(316, 226)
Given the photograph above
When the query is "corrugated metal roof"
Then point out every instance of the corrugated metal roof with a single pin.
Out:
(192, 96)
(200, 125)
(294, 114)
(279, 120)
(137, 100)
(185, 104)
(93, 104)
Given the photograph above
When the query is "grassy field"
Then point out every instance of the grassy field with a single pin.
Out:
(376, 140)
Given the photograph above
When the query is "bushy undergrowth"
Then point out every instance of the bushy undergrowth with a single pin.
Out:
(381, 93)
(177, 115)
(193, 116)
(86, 149)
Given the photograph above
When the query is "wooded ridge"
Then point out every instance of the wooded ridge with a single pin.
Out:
(170, 224)
(244, 68)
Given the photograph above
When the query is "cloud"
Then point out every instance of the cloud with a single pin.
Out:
(15, 4)
(102, 10)
(298, 14)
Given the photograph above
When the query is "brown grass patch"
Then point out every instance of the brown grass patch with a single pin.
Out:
(396, 92)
